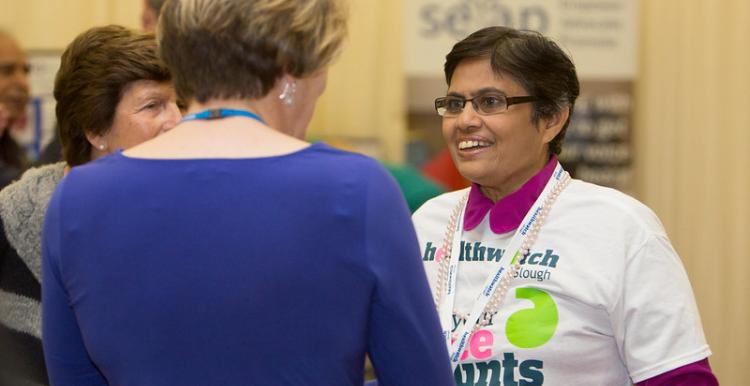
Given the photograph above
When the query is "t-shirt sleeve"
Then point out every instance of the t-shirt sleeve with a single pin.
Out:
(656, 321)
(405, 340)
(68, 362)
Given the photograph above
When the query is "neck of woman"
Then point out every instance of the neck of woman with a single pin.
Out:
(497, 192)
(255, 106)
(223, 138)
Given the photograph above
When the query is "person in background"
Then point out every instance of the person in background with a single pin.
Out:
(14, 95)
(229, 250)
(415, 187)
(150, 15)
(112, 92)
(52, 152)
(559, 281)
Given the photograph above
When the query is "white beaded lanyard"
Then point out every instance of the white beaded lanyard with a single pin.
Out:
(497, 284)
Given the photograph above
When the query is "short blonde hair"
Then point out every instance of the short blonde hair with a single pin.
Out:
(226, 49)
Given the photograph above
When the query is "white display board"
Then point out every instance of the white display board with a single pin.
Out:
(600, 35)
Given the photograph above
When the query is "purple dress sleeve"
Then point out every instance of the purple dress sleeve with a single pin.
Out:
(403, 319)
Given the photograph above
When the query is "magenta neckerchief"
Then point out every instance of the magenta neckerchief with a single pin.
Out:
(508, 212)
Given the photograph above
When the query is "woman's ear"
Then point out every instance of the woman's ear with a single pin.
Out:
(98, 142)
(554, 124)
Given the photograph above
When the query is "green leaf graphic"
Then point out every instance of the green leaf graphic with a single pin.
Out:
(532, 327)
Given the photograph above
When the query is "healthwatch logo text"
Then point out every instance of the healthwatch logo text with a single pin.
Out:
(536, 265)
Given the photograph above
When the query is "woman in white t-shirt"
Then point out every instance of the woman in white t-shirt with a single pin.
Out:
(538, 278)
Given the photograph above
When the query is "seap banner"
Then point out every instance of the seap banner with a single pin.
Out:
(601, 35)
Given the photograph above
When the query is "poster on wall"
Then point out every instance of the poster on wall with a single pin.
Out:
(599, 35)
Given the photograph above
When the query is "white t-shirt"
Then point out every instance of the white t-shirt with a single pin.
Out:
(602, 298)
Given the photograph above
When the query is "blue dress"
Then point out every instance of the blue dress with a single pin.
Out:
(280, 270)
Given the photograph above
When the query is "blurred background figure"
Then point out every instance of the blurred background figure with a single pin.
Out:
(14, 95)
(229, 250)
(112, 92)
(150, 15)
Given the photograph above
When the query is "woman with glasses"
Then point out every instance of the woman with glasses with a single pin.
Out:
(539, 278)
(230, 251)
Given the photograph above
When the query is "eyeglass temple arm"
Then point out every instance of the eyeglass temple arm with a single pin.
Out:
(521, 99)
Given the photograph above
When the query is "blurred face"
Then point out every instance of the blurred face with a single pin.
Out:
(14, 86)
(147, 108)
(148, 17)
(499, 151)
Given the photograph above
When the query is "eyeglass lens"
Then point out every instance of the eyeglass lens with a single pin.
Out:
(485, 103)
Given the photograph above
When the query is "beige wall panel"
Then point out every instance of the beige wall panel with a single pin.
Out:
(126, 12)
(692, 142)
(737, 143)
(365, 98)
(52, 24)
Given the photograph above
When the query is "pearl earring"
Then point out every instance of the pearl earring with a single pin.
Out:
(287, 93)
(101, 147)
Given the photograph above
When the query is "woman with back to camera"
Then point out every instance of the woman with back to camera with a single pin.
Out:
(112, 92)
(229, 251)
(559, 282)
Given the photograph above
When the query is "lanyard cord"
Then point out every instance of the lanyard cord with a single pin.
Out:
(211, 114)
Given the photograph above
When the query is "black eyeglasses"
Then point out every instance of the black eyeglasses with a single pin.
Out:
(485, 104)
